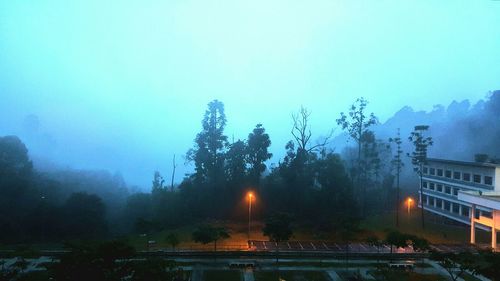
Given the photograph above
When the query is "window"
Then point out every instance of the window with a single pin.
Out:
(486, 214)
(466, 176)
(431, 186)
(440, 187)
(465, 211)
(439, 203)
(447, 189)
(432, 171)
(448, 174)
(440, 172)
(488, 180)
(424, 184)
(424, 198)
(455, 208)
(447, 205)
(477, 178)
(431, 201)
(426, 170)
(456, 175)
(455, 191)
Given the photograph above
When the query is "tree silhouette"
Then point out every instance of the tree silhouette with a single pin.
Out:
(279, 229)
(208, 233)
(398, 165)
(172, 239)
(208, 154)
(357, 124)
(419, 157)
(257, 152)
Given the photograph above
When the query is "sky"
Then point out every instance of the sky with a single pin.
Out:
(123, 85)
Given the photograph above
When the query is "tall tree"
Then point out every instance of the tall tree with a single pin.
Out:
(208, 154)
(236, 163)
(398, 165)
(357, 124)
(14, 159)
(257, 152)
(301, 132)
(419, 157)
(296, 168)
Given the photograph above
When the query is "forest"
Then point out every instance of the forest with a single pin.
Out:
(319, 186)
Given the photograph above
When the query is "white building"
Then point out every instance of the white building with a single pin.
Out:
(452, 188)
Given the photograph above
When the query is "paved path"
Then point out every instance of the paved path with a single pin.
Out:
(197, 274)
(333, 275)
(248, 275)
(441, 270)
(364, 273)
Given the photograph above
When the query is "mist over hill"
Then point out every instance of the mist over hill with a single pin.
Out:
(459, 130)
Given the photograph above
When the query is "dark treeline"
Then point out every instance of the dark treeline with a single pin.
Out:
(313, 183)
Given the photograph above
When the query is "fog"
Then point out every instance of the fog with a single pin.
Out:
(123, 87)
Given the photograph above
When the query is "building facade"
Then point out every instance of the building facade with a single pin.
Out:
(444, 179)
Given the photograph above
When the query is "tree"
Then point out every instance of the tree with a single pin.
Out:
(456, 264)
(172, 239)
(398, 164)
(419, 157)
(347, 228)
(103, 261)
(278, 228)
(396, 238)
(84, 215)
(257, 152)
(208, 233)
(208, 154)
(488, 265)
(14, 160)
(174, 166)
(373, 240)
(158, 182)
(236, 162)
(419, 244)
(357, 124)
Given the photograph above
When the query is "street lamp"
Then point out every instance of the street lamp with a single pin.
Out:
(408, 201)
(250, 196)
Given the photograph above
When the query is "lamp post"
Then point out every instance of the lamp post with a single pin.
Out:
(409, 204)
(250, 196)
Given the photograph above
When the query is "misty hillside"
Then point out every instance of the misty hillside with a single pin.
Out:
(459, 130)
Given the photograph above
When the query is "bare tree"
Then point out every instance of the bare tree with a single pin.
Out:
(174, 165)
(301, 132)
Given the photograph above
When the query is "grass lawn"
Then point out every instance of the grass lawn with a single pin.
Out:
(237, 230)
(468, 277)
(408, 276)
(219, 275)
(291, 276)
(435, 232)
(34, 276)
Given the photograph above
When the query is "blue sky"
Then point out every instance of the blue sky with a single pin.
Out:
(122, 85)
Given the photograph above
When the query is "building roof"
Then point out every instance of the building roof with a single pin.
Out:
(486, 199)
(464, 163)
